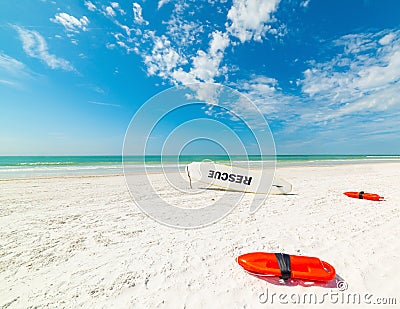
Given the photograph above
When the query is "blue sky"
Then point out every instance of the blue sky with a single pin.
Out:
(325, 74)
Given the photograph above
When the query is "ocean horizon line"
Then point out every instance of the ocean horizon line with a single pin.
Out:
(202, 154)
(170, 159)
(38, 166)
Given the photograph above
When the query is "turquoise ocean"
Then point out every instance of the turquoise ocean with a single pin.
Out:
(50, 166)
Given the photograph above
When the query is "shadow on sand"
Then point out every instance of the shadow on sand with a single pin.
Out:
(336, 282)
(232, 190)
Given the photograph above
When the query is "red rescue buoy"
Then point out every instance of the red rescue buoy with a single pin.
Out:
(364, 196)
(287, 266)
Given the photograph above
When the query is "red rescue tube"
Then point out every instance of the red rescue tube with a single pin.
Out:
(364, 196)
(302, 267)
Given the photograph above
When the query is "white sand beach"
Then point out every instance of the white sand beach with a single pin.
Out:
(72, 242)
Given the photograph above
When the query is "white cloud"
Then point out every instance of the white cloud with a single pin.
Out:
(305, 3)
(70, 22)
(219, 42)
(387, 39)
(110, 11)
(35, 46)
(10, 64)
(179, 55)
(104, 104)
(137, 14)
(116, 6)
(126, 28)
(183, 54)
(249, 18)
(162, 2)
(8, 83)
(127, 48)
(90, 6)
(163, 57)
(13, 72)
(265, 93)
(260, 85)
(165, 61)
(183, 77)
(376, 75)
(377, 101)
(359, 77)
(364, 78)
(183, 32)
(206, 66)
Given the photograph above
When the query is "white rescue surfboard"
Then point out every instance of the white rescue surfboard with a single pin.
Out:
(235, 178)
